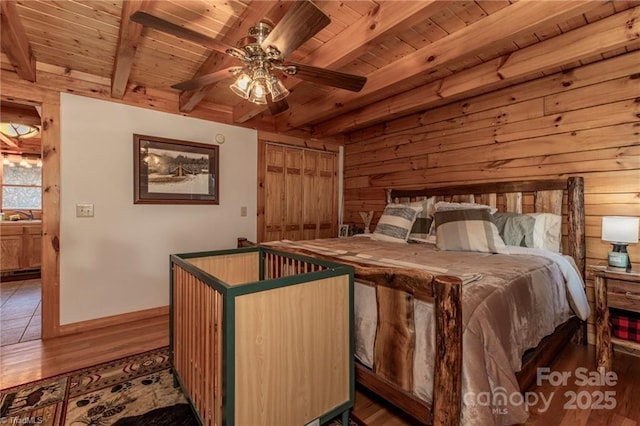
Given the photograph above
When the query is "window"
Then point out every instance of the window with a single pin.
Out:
(21, 186)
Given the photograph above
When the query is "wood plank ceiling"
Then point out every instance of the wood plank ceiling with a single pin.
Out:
(415, 54)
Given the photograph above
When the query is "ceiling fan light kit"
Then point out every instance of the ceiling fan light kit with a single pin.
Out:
(255, 79)
(262, 54)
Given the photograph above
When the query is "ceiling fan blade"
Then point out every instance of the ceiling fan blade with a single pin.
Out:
(204, 80)
(328, 77)
(298, 25)
(148, 20)
(277, 107)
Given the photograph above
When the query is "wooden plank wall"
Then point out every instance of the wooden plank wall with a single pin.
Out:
(582, 122)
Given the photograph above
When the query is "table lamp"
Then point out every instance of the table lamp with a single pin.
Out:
(620, 231)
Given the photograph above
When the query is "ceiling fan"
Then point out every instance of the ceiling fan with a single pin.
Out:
(262, 56)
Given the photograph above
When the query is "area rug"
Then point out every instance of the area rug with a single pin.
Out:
(136, 390)
(133, 391)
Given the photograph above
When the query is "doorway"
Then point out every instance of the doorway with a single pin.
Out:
(21, 233)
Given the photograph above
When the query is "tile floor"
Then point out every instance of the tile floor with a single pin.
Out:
(20, 311)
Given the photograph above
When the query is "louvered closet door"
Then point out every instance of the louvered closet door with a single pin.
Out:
(293, 194)
(273, 193)
(312, 198)
(299, 194)
(326, 184)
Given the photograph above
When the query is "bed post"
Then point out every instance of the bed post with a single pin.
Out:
(575, 217)
(576, 235)
(243, 242)
(447, 382)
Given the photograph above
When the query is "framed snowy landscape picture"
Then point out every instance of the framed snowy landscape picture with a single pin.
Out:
(169, 171)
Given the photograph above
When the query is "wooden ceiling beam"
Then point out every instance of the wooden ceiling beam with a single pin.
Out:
(128, 39)
(601, 36)
(14, 41)
(607, 34)
(253, 14)
(8, 141)
(384, 20)
(20, 114)
(520, 18)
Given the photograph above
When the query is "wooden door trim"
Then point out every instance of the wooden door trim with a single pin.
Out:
(50, 267)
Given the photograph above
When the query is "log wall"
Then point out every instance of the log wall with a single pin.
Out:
(582, 122)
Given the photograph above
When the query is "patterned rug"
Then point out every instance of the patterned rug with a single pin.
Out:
(136, 390)
(133, 391)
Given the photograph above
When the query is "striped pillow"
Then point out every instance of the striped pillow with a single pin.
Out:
(420, 231)
(395, 223)
(468, 230)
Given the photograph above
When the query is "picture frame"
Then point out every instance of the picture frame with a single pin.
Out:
(171, 171)
(343, 231)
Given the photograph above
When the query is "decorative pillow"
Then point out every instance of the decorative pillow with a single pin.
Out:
(395, 223)
(446, 205)
(422, 226)
(515, 229)
(547, 231)
(468, 230)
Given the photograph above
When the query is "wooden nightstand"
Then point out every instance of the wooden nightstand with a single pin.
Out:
(613, 290)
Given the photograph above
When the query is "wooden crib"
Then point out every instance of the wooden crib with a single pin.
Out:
(261, 337)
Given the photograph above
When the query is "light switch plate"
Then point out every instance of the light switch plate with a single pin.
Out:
(243, 211)
(84, 210)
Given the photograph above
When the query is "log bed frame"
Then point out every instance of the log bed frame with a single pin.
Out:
(445, 292)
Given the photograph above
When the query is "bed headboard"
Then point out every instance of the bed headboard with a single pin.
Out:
(559, 196)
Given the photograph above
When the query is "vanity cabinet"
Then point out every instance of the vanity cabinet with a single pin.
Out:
(20, 246)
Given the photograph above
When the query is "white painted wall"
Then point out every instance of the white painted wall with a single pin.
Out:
(118, 261)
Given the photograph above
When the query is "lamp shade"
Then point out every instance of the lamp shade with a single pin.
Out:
(241, 86)
(277, 89)
(620, 229)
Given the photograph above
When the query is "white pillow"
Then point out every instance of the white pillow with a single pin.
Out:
(547, 231)
(396, 222)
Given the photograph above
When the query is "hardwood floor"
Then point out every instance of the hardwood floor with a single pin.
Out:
(30, 361)
(25, 362)
(371, 411)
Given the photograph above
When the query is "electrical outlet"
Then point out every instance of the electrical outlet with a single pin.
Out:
(243, 211)
(315, 422)
(84, 210)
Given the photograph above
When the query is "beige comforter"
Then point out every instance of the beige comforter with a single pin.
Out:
(510, 303)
